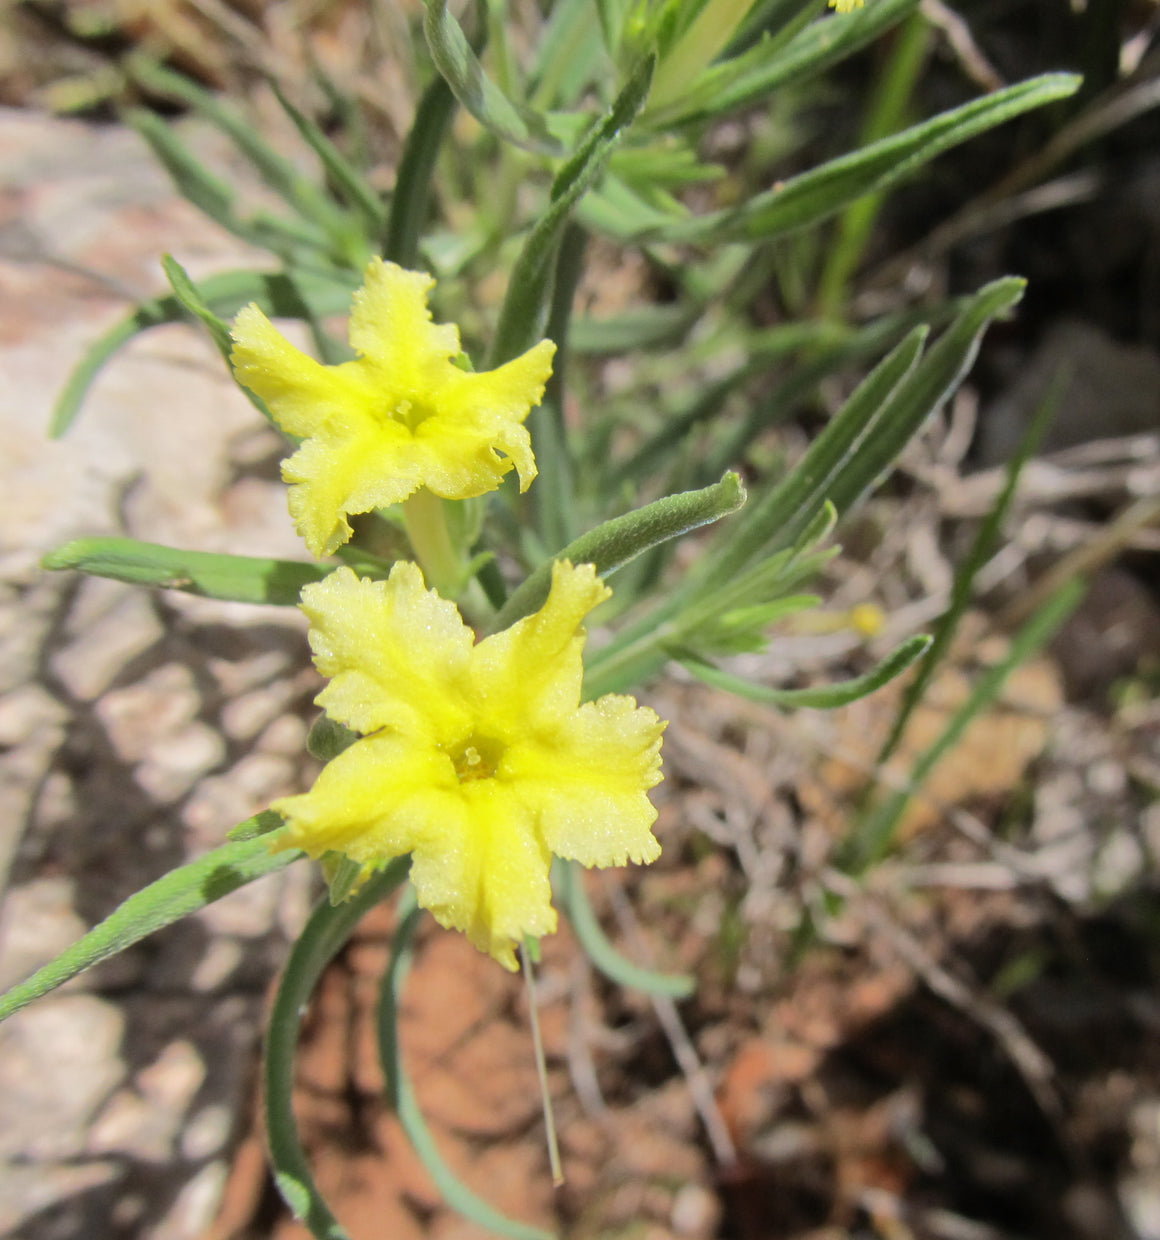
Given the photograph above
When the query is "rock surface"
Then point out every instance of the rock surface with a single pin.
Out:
(136, 727)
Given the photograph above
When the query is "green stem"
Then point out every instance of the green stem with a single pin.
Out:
(327, 930)
(431, 542)
(454, 1191)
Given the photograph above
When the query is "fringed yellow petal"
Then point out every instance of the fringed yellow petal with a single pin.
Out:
(399, 417)
(396, 653)
(491, 879)
(587, 783)
(302, 394)
(499, 400)
(391, 325)
(481, 761)
(330, 477)
(380, 798)
(533, 671)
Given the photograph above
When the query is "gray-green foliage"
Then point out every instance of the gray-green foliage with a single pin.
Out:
(598, 133)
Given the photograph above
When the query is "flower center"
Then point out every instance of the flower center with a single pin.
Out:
(410, 413)
(477, 758)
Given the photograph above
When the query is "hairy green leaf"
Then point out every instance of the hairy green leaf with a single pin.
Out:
(754, 75)
(175, 895)
(824, 697)
(529, 295)
(239, 578)
(515, 122)
(613, 544)
(806, 199)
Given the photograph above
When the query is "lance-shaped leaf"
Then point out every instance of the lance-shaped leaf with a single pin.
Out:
(412, 196)
(279, 173)
(806, 199)
(780, 515)
(279, 294)
(529, 295)
(453, 57)
(238, 578)
(613, 544)
(869, 432)
(769, 66)
(176, 895)
(824, 697)
(347, 179)
(850, 455)
(873, 833)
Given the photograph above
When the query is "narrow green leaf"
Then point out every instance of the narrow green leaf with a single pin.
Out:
(755, 75)
(412, 196)
(704, 37)
(279, 173)
(453, 57)
(207, 192)
(186, 292)
(321, 939)
(611, 15)
(872, 835)
(825, 697)
(852, 453)
(239, 578)
(457, 1195)
(646, 328)
(806, 199)
(863, 440)
(780, 516)
(981, 548)
(346, 178)
(618, 210)
(888, 109)
(554, 507)
(342, 874)
(924, 390)
(176, 895)
(529, 295)
(279, 294)
(574, 900)
(613, 544)
(569, 56)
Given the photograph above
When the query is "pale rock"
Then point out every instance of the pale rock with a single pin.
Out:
(59, 1061)
(195, 1206)
(213, 970)
(24, 1194)
(115, 623)
(144, 1121)
(1119, 862)
(142, 716)
(179, 760)
(206, 1132)
(220, 802)
(27, 711)
(37, 922)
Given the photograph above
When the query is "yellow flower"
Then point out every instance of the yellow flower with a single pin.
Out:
(846, 6)
(400, 416)
(477, 759)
